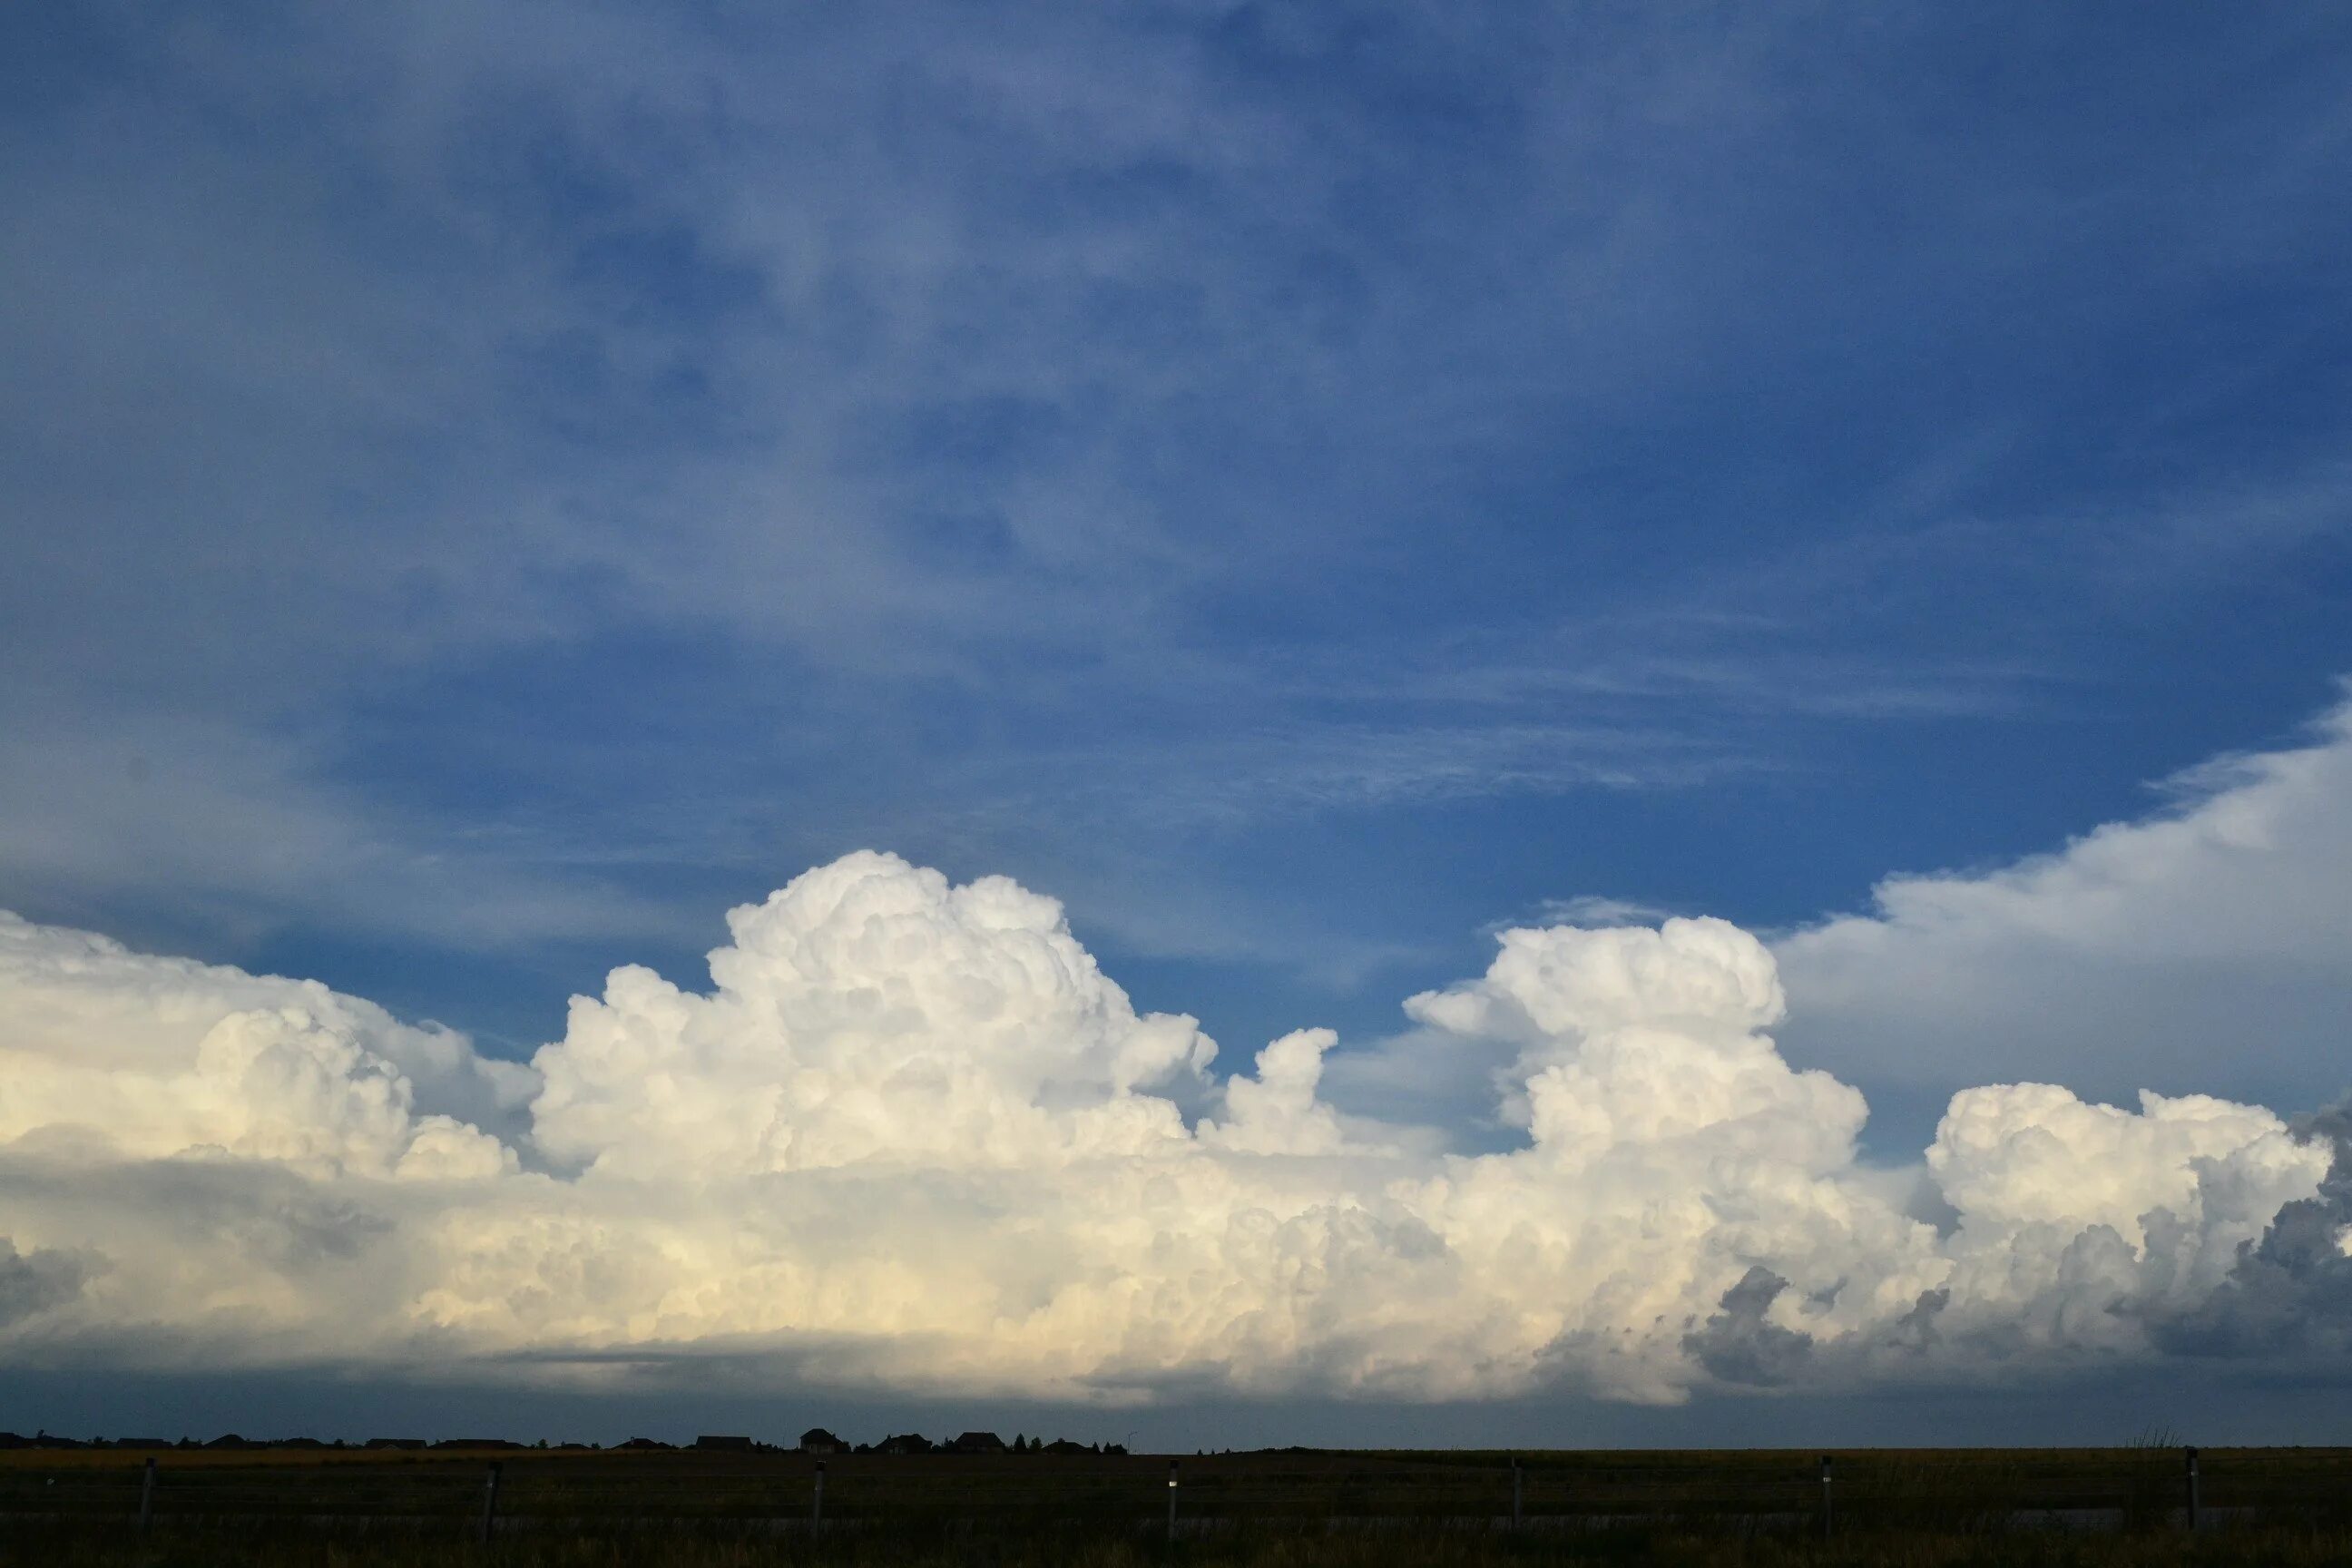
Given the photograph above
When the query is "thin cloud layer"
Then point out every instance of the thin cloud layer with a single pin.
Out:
(912, 1138)
(2122, 962)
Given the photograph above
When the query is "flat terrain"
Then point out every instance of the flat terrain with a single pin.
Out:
(1304, 1507)
(441, 1494)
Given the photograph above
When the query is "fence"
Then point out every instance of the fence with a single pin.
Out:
(460, 1495)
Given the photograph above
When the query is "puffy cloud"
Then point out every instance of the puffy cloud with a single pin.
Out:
(1276, 1112)
(869, 1011)
(161, 1057)
(2122, 962)
(1672, 1152)
(2290, 1292)
(912, 1136)
(1703, 975)
(2033, 1154)
(2087, 1223)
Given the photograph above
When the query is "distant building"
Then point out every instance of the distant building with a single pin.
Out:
(724, 1443)
(977, 1443)
(647, 1443)
(476, 1443)
(231, 1440)
(817, 1440)
(1064, 1445)
(905, 1443)
(393, 1443)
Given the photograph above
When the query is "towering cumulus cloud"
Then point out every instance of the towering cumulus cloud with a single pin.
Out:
(913, 1137)
(867, 1014)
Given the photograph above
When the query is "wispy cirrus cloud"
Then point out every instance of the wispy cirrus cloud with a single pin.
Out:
(552, 467)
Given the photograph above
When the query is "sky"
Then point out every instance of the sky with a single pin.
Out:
(1723, 633)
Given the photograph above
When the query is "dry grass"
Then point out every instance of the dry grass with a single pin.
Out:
(2283, 1549)
(1934, 1509)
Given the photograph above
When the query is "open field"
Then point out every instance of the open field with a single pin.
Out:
(2276, 1548)
(555, 1509)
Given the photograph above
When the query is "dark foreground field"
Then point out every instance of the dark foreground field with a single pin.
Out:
(276, 1510)
(2284, 1549)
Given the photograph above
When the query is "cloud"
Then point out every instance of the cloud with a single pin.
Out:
(2291, 1292)
(2082, 1225)
(380, 371)
(160, 1056)
(1276, 1112)
(36, 1282)
(200, 828)
(913, 1139)
(2127, 960)
(867, 1012)
(1741, 1344)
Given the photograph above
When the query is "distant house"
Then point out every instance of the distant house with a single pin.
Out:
(724, 1443)
(647, 1443)
(393, 1443)
(1064, 1445)
(977, 1443)
(231, 1440)
(905, 1443)
(476, 1443)
(298, 1443)
(817, 1440)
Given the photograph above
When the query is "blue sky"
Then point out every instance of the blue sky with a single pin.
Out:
(488, 489)
(1300, 484)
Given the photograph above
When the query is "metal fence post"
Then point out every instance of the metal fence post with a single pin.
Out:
(2193, 1488)
(1515, 1493)
(490, 1504)
(1826, 1514)
(1172, 1499)
(816, 1504)
(147, 1498)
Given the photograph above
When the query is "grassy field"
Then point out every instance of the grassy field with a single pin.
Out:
(2281, 1548)
(267, 1509)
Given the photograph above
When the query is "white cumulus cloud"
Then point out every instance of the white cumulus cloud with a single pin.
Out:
(912, 1137)
(160, 1056)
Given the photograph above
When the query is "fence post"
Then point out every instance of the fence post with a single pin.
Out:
(1171, 1500)
(147, 1497)
(1515, 1493)
(490, 1504)
(1827, 1516)
(2193, 1488)
(816, 1505)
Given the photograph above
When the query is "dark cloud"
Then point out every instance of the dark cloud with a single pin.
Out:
(1738, 1345)
(37, 1280)
(2290, 1294)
